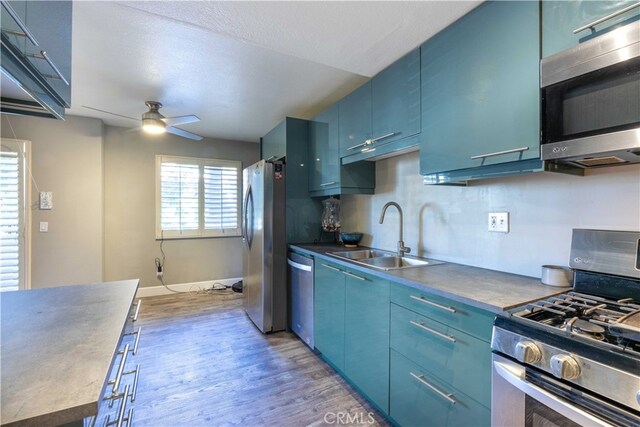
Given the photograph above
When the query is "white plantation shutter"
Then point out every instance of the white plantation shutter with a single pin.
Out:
(12, 217)
(197, 197)
(180, 197)
(221, 189)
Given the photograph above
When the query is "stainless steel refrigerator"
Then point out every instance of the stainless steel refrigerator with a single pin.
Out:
(264, 275)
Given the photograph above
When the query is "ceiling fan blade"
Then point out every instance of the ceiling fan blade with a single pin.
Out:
(109, 112)
(183, 133)
(181, 120)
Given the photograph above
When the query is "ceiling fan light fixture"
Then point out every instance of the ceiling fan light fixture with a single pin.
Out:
(153, 126)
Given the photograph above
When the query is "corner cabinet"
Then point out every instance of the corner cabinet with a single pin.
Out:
(560, 18)
(382, 117)
(351, 312)
(480, 89)
(327, 176)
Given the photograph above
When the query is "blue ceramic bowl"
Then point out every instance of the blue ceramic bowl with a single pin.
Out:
(351, 239)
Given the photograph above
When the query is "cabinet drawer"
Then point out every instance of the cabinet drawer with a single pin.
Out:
(419, 399)
(457, 315)
(453, 356)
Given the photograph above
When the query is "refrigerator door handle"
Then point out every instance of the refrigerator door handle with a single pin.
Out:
(249, 219)
(245, 209)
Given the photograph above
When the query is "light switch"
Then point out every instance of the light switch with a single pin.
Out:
(44, 227)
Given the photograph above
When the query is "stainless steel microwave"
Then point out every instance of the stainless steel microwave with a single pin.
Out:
(591, 101)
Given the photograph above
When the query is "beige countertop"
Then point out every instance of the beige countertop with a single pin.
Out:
(56, 350)
(490, 290)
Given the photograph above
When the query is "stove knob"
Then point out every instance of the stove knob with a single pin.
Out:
(528, 352)
(565, 367)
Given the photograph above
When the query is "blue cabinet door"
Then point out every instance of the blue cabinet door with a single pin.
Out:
(324, 151)
(367, 336)
(329, 313)
(395, 100)
(355, 119)
(480, 89)
(50, 25)
(274, 144)
(419, 399)
(560, 18)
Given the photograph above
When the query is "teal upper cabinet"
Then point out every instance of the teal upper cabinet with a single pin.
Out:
(355, 119)
(381, 117)
(480, 89)
(274, 144)
(36, 52)
(560, 18)
(290, 140)
(327, 175)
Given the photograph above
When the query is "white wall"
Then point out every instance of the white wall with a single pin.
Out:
(66, 160)
(130, 202)
(450, 223)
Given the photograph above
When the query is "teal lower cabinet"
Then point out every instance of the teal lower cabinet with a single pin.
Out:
(457, 358)
(367, 336)
(329, 313)
(420, 359)
(352, 328)
(418, 398)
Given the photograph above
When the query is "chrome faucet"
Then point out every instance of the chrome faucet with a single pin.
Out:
(402, 249)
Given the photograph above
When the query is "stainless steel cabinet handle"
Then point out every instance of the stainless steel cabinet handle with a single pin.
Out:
(327, 183)
(332, 268)
(25, 31)
(605, 18)
(135, 315)
(123, 361)
(432, 331)
(121, 410)
(43, 55)
(354, 276)
(499, 153)
(426, 301)
(372, 141)
(298, 265)
(135, 382)
(446, 396)
(135, 344)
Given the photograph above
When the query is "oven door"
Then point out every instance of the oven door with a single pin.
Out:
(518, 402)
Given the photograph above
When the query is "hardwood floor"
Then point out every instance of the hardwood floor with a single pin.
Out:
(203, 363)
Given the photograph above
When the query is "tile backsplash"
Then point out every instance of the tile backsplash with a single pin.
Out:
(450, 223)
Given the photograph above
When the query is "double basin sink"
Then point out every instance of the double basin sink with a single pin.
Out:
(383, 260)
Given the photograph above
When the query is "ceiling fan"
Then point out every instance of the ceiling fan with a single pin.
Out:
(155, 123)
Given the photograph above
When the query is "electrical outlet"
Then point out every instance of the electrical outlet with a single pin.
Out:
(499, 222)
(44, 227)
(46, 200)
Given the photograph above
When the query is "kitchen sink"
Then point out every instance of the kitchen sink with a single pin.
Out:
(396, 262)
(383, 260)
(362, 254)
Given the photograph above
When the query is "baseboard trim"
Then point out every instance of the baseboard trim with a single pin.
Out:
(151, 291)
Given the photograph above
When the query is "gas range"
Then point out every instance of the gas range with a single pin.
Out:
(582, 347)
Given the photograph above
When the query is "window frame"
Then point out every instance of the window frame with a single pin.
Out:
(201, 232)
(24, 154)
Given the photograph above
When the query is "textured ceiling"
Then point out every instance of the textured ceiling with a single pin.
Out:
(240, 66)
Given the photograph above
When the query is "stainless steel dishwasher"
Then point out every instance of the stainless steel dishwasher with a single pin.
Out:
(300, 277)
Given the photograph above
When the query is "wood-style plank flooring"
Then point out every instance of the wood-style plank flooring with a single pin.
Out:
(203, 363)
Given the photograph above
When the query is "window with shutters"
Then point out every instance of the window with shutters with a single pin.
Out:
(13, 215)
(197, 197)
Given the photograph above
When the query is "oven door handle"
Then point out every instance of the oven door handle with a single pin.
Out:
(515, 375)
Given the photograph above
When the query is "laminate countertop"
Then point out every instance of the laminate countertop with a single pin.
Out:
(490, 290)
(56, 350)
